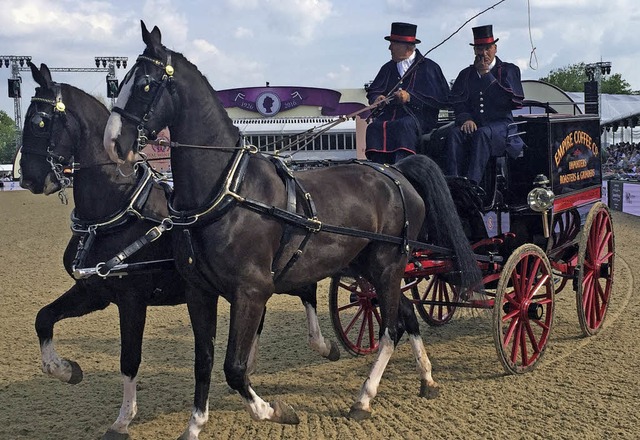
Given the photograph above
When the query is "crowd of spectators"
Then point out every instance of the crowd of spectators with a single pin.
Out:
(621, 160)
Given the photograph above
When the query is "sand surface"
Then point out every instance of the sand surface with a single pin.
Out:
(584, 388)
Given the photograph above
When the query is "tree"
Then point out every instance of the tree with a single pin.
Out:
(7, 138)
(572, 78)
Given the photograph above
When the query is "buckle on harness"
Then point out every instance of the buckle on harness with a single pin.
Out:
(314, 225)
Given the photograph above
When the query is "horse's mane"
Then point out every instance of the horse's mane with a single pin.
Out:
(72, 93)
(216, 100)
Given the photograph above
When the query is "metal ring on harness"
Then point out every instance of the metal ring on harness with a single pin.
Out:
(99, 266)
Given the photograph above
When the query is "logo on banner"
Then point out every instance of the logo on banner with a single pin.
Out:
(268, 104)
(628, 197)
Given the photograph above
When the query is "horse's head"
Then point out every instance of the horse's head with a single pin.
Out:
(147, 101)
(47, 137)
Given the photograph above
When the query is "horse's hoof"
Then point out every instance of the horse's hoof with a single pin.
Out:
(429, 391)
(284, 413)
(113, 435)
(334, 353)
(76, 372)
(359, 414)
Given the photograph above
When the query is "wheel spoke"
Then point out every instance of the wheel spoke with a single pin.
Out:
(532, 276)
(542, 282)
(376, 313)
(516, 343)
(353, 321)
(372, 336)
(513, 324)
(532, 338)
(349, 306)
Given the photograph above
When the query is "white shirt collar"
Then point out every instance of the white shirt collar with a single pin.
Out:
(404, 65)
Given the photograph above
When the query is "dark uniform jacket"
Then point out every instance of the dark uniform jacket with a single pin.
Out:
(400, 126)
(488, 100)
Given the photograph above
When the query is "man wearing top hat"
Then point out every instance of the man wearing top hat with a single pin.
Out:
(483, 97)
(418, 90)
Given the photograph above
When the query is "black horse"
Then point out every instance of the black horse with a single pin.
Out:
(242, 236)
(64, 128)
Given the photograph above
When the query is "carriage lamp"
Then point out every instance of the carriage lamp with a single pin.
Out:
(540, 199)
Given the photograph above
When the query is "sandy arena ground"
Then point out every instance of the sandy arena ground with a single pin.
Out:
(583, 389)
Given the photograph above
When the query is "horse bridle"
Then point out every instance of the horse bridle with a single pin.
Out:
(57, 162)
(165, 83)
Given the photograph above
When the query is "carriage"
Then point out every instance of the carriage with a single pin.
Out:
(542, 226)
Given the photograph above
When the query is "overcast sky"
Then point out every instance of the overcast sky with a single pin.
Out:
(319, 43)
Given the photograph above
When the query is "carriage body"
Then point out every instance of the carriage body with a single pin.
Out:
(561, 154)
(531, 250)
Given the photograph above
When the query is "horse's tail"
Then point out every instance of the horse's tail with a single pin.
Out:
(442, 224)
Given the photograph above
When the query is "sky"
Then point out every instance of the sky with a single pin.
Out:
(333, 44)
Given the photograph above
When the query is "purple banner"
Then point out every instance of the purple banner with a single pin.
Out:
(269, 101)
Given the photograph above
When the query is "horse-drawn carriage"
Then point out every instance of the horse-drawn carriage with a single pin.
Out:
(542, 225)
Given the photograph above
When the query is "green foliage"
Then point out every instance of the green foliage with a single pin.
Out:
(7, 138)
(572, 78)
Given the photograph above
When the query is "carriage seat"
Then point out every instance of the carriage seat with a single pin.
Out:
(432, 144)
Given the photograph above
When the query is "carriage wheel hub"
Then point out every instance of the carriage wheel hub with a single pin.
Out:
(535, 311)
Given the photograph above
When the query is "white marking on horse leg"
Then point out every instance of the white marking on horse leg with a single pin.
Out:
(258, 408)
(54, 365)
(252, 362)
(129, 407)
(423, 364)
(370, 387)
(196, 423)
(316, 341)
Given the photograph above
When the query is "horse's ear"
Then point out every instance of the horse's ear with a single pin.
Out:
(42, 77)
(46, 73)
(152, 39)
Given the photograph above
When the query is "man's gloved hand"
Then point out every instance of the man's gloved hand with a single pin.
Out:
(379, 99)
(402, 96)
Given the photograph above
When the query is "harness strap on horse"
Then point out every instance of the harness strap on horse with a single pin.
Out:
(405, 228)
(138, 199)
(224, 199)
(84, 244)
(152, 235)
(292, 185)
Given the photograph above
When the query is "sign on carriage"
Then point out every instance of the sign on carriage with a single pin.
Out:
(575, 154)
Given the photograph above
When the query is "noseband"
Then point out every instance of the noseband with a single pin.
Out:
(166, 82)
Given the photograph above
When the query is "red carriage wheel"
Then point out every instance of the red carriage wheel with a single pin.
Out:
(355, 315)
(439, 292)
(523, 310)
(595, 273)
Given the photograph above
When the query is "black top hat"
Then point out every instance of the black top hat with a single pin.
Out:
(483, 35)
(403, 33)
